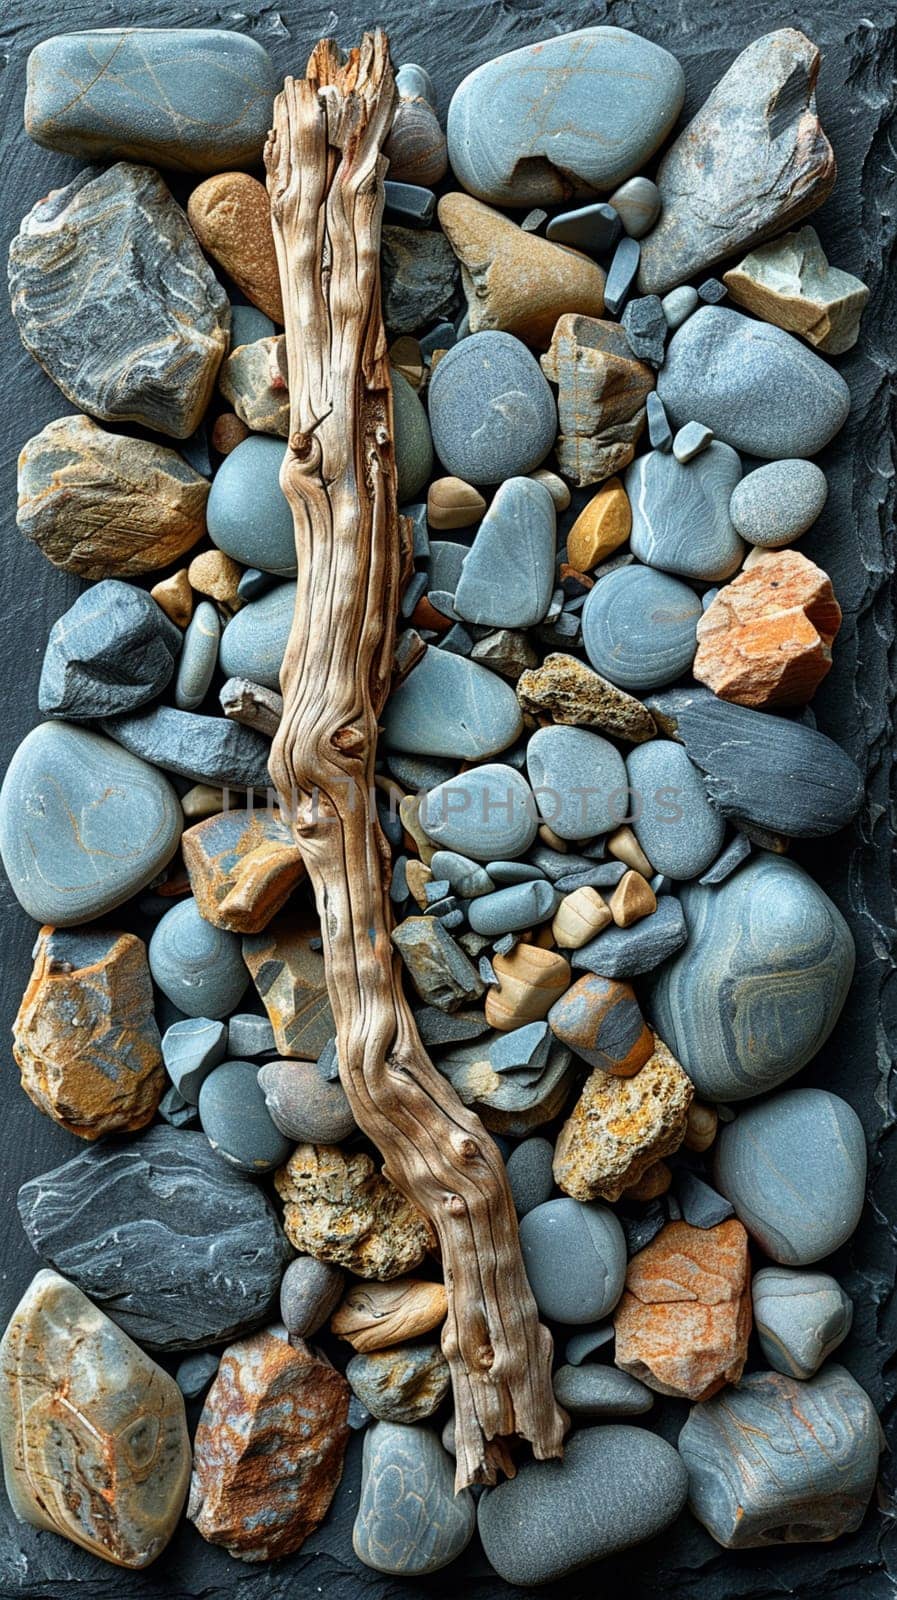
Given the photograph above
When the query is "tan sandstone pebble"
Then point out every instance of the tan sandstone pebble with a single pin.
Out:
(602, 391)
(530, 980)
(654, 1181)
(375, 1316)
(243, 866)
(701, 1127)
(227, 432)
(214, 574)
(417, 876)
(624, 846)
(287, 968)
(409, 816)
(683, 1322)
(515, 281)
(632, 900)
(580, 916)
(766, 640)
(85, 1038)
(269, 1448)
(557, 488)
(452, 503)
(230, 214)
(620, 1126)
(250, 378)
(339, 1208)
(601, 527)
(568, 691)
(175, 596)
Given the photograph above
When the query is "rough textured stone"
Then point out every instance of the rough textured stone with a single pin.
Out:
(148, 320)
(790, 283)
(374, 1316)
(680, 512)
(516, 1080)
(269, 1448)
(420, 278)
(449, 706)
(675, 824)
(682, 1325)
(83, 824)
(778, 1462)
(310, 1291)
(621, 1125)
(113, 650)
(794, 1168)
(243, 866)
(251, 379)
(602, 390)
(198, 966)
(103, 505)
(492, 413)
(85, 1039)
(231, 217)
(628, 952)
(800, 1317)
(601, 1022)
(761, 982)
(198, 101)
(548, 1520)
(95, 1443)
(520, 128)
(410, 1521)
(753, 161)
(204, 749)
(639, 627)
(400, 1385)
(516, 282)
(507, 577)
(575, 1260)
(303, 1104)
(566, 690)
(766, 639)
(440, 971)
(113, 1221)
(777, 503)
(288, 974)
(339, 1208)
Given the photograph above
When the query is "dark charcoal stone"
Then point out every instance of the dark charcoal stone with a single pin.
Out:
(646, 328)
(113, 650)
(420, 278)
(204, 749)
(179, 1250)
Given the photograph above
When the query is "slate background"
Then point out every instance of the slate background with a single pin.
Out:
(854, 541)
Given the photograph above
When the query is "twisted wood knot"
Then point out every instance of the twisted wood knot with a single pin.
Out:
(348, 739)
(467, 1148)
(485, 1357)
(456, 1205)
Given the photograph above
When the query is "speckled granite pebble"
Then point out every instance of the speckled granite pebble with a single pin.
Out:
(775, 504)
(530, 1175)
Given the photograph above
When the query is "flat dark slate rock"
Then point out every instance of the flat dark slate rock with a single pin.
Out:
(206, 749)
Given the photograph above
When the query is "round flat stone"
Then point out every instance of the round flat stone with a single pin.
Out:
(414, 447)
(303, 1104)
(508, 574)
(199, 968)
(760, 984)
(449, 706)
(760, 389)
(84, 825)
(680, 512)
(775, 504)
(199, 657)
(247, 515)
(800, 1318)
(593, 1390)
(484, 813)
(638, 628)
(579, 781)
(521, 905)
(530, 1175)
(575, 1260)
(673, 820)
(492, 412)
(549, 1520)
(794, 1168)
(254, 642)
(410, 1521)
(235, 1119)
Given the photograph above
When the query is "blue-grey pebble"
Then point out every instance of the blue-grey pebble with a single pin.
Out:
(520, 905)
(468, 878)
(701, 1206)
(582, 1345)
(776, 1461)
(578, 779)
(594, 228)
(249, 1035)
(248, 325)
(199, 657)
(492, 412)
(190, 1049)
(530, 1175)
(621, 275)
(660, 433)
(306, 1106)
(486, 812)
(254, 583)
(175, 1110)
(444, 564)
(691, 440)
(674, 821)
(255, 640)
(775, 504)
(575, 1260)
(637, 204)
(247, 514)
(521, 127)
(506, 872)
(212, 750)
(419, 772)
(508, 574)
(551, 1518)
(84, 825)
(629, 952)
(638, 628)
(729, 860)
(413, 444)
(112, 651)
(199, 968)
(194, 1374)
(235, 1119)
(410, 1521)
(800, 1318)
(794, 1168)
(761, 982)
(594, 1390)
(449, 706)
(680, 512)
(679, 304)
(760, 389)
(309, 1292)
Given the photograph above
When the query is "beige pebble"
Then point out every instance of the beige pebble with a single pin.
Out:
(175, 597)
(557, 488)
(553, 840)
(409, 816)
(654, 1182)
(227, 432)
(375, 1316)
(632, 899)
(579, 917)
(230, 214)
(700, 1129)
(216, 575)
(601, 527)
(624, 846)
(530, 980)
(452, 503)
(202, 801)
(417, 877)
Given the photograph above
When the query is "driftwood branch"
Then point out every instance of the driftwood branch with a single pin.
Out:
(325, 179)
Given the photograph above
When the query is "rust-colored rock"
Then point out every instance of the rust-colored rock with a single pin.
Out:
(601, 527)
(175, 597)
(600, 1019)
(683, 1322)
(231, 217)
(602, 390)
(620, 1127)
(514, 280)
(288, 973)
(375, 1316)
(243, 865)
(568, 691)
(339, 1208)
(227, 432)
(269, 1448)
(85, 1039)
(766, 640)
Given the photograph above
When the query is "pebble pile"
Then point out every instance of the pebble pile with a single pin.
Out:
(596, 756)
